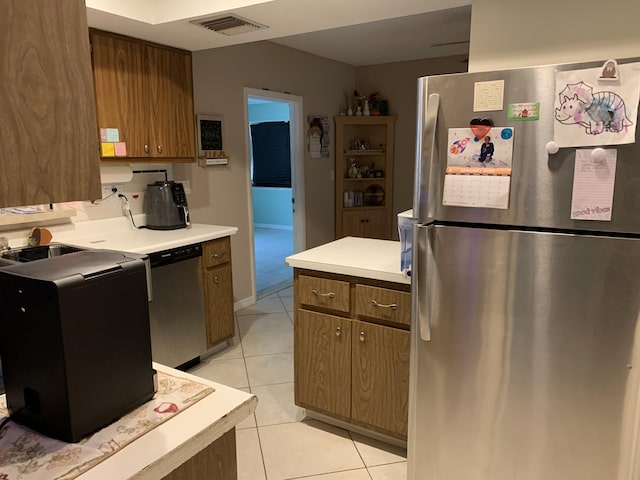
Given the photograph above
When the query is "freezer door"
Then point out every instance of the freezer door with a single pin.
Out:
(531, 366)
(541, 184)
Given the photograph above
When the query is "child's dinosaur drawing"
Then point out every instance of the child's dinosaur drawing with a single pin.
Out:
(596, 112)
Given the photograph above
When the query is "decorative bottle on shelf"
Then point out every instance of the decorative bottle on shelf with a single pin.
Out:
(349, 111)
(366, 111)
(359, 111)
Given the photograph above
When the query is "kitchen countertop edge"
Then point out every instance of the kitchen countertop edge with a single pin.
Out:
(359, 257)
(161, 450)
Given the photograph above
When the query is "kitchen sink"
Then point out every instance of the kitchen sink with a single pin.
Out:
(28, 254)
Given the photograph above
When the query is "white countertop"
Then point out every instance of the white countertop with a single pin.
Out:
(159, 451)
(360, 257)
(119, 234)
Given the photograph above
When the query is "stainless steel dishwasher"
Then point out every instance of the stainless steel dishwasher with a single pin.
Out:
(176, 312)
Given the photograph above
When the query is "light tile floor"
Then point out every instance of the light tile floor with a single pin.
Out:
(278, 442)
(272, 246)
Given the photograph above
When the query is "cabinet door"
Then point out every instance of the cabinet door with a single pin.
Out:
(171, 103)
(48, 146)
(380, 377)
(322, 363)
(375, 224)
(352, 224)
(218, 298)
(121, 101)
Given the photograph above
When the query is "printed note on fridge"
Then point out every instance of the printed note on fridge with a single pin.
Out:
(593, 184)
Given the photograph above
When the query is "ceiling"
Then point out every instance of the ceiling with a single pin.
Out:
(356, 32)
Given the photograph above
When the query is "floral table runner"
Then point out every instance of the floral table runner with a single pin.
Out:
(28, 455)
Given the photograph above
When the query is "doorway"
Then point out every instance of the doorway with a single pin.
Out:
(277, 209)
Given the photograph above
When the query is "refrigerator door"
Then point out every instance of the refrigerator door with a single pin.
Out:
(531, 370)
(541, 184)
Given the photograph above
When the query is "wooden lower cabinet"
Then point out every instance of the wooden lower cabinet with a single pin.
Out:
(322, 350)
(365, 223)
(218, 461)
(218, 290)
(380, 376)
(352, 365)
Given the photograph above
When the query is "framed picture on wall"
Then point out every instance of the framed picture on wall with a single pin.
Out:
(210, 136)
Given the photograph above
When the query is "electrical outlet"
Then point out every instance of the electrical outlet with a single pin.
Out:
(108, 189)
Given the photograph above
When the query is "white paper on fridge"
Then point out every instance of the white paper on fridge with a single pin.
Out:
(478, 170)
(593, 183)
(476, 191)
(590, 111)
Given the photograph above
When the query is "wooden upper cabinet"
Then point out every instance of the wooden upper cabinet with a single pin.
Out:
(146, 92)
(118, 67)
(48, 145)
(171, 103)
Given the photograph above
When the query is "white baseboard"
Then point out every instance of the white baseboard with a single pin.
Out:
(273, 227)
(244, 303)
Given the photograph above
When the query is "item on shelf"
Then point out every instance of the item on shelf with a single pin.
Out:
(374, 195)
(353, 168)
(365, 111)
(384, 107)
(360, 144)
(353, 199)
(374, 103)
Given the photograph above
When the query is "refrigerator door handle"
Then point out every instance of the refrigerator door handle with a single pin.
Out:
(421, 283)
(422, 207)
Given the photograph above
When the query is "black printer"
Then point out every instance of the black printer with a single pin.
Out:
(75, 341)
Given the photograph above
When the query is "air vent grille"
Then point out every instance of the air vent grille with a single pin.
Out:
(229, 25)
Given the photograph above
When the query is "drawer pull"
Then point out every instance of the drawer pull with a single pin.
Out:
(362, 336)
(218, 255)
(338, 331)
(318, 294)
(392, 306)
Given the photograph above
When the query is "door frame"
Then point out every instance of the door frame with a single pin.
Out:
(297, 168)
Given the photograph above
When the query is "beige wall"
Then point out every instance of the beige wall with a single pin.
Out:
(397, 82)
(221, 195)
(518, 33)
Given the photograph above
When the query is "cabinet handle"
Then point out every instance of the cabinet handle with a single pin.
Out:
(146, 149)
(362, 336)
(215, 279)
(338, 331)
(218, 255)
(159, 148)
(316, 293)
(392, 306)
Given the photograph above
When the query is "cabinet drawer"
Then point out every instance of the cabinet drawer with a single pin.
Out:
(324, 292)
(384, 304)
(216, 252)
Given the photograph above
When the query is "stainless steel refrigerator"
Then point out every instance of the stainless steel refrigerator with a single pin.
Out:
(525, 339)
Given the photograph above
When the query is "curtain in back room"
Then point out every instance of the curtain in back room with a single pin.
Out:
(271, 154)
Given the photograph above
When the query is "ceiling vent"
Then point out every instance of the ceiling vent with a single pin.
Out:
(229, 25)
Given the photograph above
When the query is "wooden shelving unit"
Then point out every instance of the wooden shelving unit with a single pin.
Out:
(364, 176)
